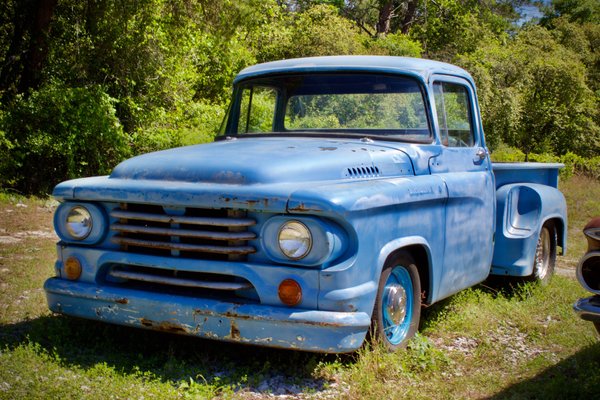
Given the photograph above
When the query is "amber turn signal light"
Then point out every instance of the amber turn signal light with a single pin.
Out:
(290, 292)
(72, 268)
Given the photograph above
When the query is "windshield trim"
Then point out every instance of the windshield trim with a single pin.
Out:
(324, 134)
(350, 133)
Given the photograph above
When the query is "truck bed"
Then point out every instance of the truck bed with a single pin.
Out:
(533, 172)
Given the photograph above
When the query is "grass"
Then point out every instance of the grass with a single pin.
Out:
(496, 340)
(583, 203)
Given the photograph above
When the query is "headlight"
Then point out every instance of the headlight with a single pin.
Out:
(302, 240)
(295, 240)
(79, 223)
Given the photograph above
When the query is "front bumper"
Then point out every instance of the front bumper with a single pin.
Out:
(310, 330)
(588, 308)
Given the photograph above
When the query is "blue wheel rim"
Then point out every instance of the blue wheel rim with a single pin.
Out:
(397, 324)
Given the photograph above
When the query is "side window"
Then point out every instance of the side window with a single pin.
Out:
(257, 109)
(454, 114)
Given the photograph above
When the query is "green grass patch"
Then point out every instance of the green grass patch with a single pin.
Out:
(582, 194)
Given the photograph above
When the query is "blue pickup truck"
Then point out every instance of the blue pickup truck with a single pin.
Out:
(342, 194)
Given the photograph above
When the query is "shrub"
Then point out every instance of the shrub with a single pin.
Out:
(59, 133)
(574, 164)
(193, 123)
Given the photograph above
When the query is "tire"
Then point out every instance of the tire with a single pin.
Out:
(545, 255)
(398, 304)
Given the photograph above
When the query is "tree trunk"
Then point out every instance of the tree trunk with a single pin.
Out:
(12, 65)
(386, 13)
(409, 16)
(38, 45)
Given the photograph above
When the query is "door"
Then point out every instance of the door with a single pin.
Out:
(464, 166)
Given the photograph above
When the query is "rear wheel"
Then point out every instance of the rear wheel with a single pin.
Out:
(398, 304)
(545, 255)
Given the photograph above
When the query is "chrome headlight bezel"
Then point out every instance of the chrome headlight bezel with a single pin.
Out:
(79, 223)
(97, 223)
(294, 239)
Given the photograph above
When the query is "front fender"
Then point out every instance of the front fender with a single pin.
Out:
(522, 210)
(432, 277)
(383, 215)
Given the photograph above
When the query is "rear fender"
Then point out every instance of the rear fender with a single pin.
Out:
(522, 210)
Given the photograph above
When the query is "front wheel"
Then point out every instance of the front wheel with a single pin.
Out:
(545, 255)
(398, 305)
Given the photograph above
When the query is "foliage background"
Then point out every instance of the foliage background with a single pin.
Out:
(85, 84)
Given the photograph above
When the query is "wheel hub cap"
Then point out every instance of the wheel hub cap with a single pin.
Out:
(542, 254)
(395, 304)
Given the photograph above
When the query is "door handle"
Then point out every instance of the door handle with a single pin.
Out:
(480, 155)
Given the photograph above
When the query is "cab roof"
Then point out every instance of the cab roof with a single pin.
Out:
(417, 67)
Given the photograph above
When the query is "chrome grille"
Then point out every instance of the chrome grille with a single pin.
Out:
(187, 232)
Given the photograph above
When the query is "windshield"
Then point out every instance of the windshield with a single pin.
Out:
(343, 104)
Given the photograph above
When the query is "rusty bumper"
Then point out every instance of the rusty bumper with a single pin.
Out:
(310, 330)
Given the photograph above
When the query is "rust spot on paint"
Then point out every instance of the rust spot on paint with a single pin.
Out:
(122, 301)
(163, 326)
(235, 332)
(303, 208)
(231, 314)
(324, 324)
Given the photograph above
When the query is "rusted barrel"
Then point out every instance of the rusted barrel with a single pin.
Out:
(588, 270)
(592, 233)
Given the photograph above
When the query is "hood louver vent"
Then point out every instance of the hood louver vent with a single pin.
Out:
(363, 172)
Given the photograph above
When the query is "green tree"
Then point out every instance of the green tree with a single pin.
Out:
(318, 30)
(581, 11)
(451, 27)
(534, 95)
(584, 40)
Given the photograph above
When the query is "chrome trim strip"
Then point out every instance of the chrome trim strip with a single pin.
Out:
(137, 276)
(182, 219)
(184, 246)
(183, 232)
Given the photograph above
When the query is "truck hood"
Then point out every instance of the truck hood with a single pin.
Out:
(263, 174)
(268, 160)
